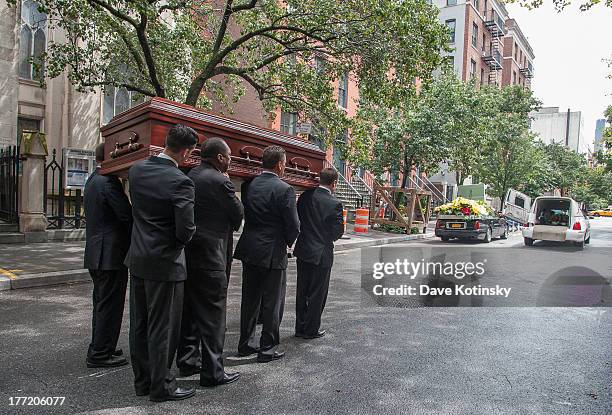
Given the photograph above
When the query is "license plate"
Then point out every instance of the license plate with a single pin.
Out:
(456, 225)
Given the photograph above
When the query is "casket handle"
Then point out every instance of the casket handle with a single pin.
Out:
(128, 146)
(300, 163)
(251, 152)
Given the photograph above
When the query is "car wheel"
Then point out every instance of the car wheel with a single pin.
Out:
(505, 234)
(445, 238)
(588, 240)
(596, 215)
(488, 236)
(528, 241)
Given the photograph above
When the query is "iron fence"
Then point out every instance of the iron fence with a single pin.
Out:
(9, 184)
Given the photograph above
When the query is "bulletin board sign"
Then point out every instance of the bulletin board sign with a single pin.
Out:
(78, 165)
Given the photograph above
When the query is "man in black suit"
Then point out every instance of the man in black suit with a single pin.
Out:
(109, 223)
(218, 212)
(162, 198)
(321, 224)
(271, 225)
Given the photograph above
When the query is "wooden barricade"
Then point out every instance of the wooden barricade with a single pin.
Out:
(397, 206)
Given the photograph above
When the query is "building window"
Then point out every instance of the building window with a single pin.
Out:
(513, 77)
(288, 122)
(451, 2)
(320, 65)
(472, 68)
(476, 4)
(482, 76)
(484, 42)
(474, 34)
(515, 52)
(32, 40)
(117, 100)
(343, 90)
(484, 9)
(451, 24)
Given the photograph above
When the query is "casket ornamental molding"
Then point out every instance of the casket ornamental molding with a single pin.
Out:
(140, 132)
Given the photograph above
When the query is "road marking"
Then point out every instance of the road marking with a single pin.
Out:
(8, 273)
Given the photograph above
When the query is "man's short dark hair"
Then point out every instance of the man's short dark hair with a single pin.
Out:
(181, 137)
(100, 152)
(328, 176)
(213, 146)
(272, 155)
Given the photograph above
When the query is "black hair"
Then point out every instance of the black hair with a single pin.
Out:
(271, 156)
(213, 146)
(328, 176)
(181, 137)
(100, 152)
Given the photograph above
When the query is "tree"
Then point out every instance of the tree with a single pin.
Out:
(508, 152)
(197, 51)
(415, 133)
(604, 155)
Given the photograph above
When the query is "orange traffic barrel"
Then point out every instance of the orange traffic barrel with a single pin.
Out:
(361, 220)
(344, 214)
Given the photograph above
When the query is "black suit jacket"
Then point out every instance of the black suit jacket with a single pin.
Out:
(109, 223)
(321, 224)
(218, 212)
(162, 204)
(271, 222)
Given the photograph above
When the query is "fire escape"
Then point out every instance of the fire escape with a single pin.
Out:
(527, 72)
(492, 55)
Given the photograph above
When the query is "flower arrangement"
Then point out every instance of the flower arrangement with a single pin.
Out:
(465, 207)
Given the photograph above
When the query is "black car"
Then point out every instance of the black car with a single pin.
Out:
(481, 228)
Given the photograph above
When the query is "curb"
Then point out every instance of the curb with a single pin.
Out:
(383, 241)
(48, 278)
(82, 275)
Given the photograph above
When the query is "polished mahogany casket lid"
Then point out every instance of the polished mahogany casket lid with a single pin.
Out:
(141, 132)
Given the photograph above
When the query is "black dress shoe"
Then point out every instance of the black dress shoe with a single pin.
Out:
(249, 352)
(227, 378)
(179, 394)
(142, 392)
(265, 358)
(117, 353)
(299, 335)
(318, 334)
(110, 362)
(185, 372)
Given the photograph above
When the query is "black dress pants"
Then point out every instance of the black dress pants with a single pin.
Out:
(266, 288)
(310, 298)
(205, 323)
(155, 318)
(108, 300)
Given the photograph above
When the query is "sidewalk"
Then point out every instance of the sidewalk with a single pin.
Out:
(42, 264)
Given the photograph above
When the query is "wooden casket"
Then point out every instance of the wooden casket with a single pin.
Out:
(141, 132)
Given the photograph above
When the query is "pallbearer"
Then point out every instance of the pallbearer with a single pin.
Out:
(162, 198)
(321, 224)
(271, 226)
(109, 223)
(218, 212)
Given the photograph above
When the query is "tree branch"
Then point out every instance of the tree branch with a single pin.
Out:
(245, 6)
(113, 11)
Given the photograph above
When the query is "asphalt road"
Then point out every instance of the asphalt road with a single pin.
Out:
(425, 360)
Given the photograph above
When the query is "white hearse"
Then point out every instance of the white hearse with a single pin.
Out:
(554, 218)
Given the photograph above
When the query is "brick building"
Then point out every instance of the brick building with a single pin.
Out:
(481, 36)
(518, 57)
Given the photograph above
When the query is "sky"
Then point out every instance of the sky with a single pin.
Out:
(569, 47)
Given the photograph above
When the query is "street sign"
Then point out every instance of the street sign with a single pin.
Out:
(78, 165)
(304, 128)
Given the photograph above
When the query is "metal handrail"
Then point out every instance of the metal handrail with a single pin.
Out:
(360, 196)
(429, 185)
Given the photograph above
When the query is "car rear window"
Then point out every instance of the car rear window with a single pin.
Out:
(553, 212)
